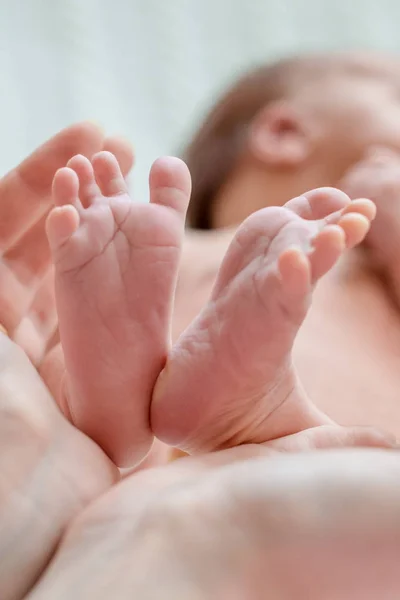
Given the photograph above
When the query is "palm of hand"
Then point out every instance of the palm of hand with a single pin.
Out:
(238, 523)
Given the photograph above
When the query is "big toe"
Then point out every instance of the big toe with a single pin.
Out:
(170, 184)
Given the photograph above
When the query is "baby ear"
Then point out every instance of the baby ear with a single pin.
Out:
(279, 136)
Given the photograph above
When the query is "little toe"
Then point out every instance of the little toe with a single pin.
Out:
(328, 246)
(319, 203)
(66, 187)
(108, 174)
(170, 184)
(88, 188)
(355, 227)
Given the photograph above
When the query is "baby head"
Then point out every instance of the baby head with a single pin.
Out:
(288, 127)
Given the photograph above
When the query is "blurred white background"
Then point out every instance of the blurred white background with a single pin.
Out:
(149, 68)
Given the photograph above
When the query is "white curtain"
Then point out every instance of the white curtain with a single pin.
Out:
(149, 68)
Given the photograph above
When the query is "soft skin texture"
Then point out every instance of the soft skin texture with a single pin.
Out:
(49, 472)
(230, 379)
(116, 264)
(27, 307)
(243, 523)
(325, 131)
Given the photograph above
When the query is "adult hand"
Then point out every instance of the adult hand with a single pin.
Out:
(49, 472)
(27, 308)
(242, 523)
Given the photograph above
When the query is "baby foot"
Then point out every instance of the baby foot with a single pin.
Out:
(116, 265)
(229, 379)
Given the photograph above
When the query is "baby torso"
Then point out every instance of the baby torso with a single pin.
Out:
(348, 352)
